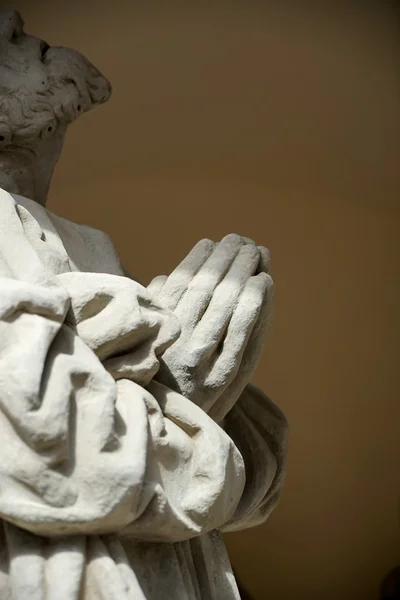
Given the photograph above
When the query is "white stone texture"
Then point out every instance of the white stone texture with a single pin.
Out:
(131, 434)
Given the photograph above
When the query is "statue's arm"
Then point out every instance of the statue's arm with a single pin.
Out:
(82, 452)
(259, 430)
(222, 283)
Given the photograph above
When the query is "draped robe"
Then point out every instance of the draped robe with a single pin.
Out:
(112, 486)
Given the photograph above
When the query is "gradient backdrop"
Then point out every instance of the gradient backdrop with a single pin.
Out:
(278, 121)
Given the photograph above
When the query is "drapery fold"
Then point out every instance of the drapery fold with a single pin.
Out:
(82, 452)
(105, 474)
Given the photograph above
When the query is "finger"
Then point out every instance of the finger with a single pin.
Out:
(255, 345)
(265, 260)
(213, 324)
(265, 257)
(201, 288)
(179, 280)
(240, 329)
(156, 285)
(247, 240)
(249, 361)
(263, 322)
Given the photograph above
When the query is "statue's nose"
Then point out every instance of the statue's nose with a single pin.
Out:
(9, 21)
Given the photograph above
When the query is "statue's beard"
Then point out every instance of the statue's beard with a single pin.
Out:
(73, 86)
(76, 85)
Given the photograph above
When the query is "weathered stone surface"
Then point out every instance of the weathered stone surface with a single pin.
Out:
(131, 435)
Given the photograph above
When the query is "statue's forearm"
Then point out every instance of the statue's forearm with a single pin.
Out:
(259, 429)
(83, 453)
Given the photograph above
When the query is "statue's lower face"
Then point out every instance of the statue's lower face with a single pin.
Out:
(42, 88)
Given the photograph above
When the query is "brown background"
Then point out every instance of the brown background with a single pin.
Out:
(279, 122)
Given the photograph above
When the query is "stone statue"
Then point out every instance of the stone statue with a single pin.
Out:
(131, 434)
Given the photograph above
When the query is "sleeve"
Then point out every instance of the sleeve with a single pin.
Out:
(259, 430)
(83, 451)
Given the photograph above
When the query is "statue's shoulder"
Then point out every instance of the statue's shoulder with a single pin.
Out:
(71, 229)
(88, 248)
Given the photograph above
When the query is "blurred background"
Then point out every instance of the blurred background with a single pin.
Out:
(278, 121)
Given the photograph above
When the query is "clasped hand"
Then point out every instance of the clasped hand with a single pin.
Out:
(222, 296)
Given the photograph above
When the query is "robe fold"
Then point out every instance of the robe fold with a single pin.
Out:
(112, 486)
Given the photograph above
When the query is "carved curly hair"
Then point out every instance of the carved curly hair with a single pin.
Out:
(36, 98)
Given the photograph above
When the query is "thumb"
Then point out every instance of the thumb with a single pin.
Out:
(156, 285)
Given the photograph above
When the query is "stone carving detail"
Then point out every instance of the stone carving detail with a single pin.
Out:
(132, 436)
